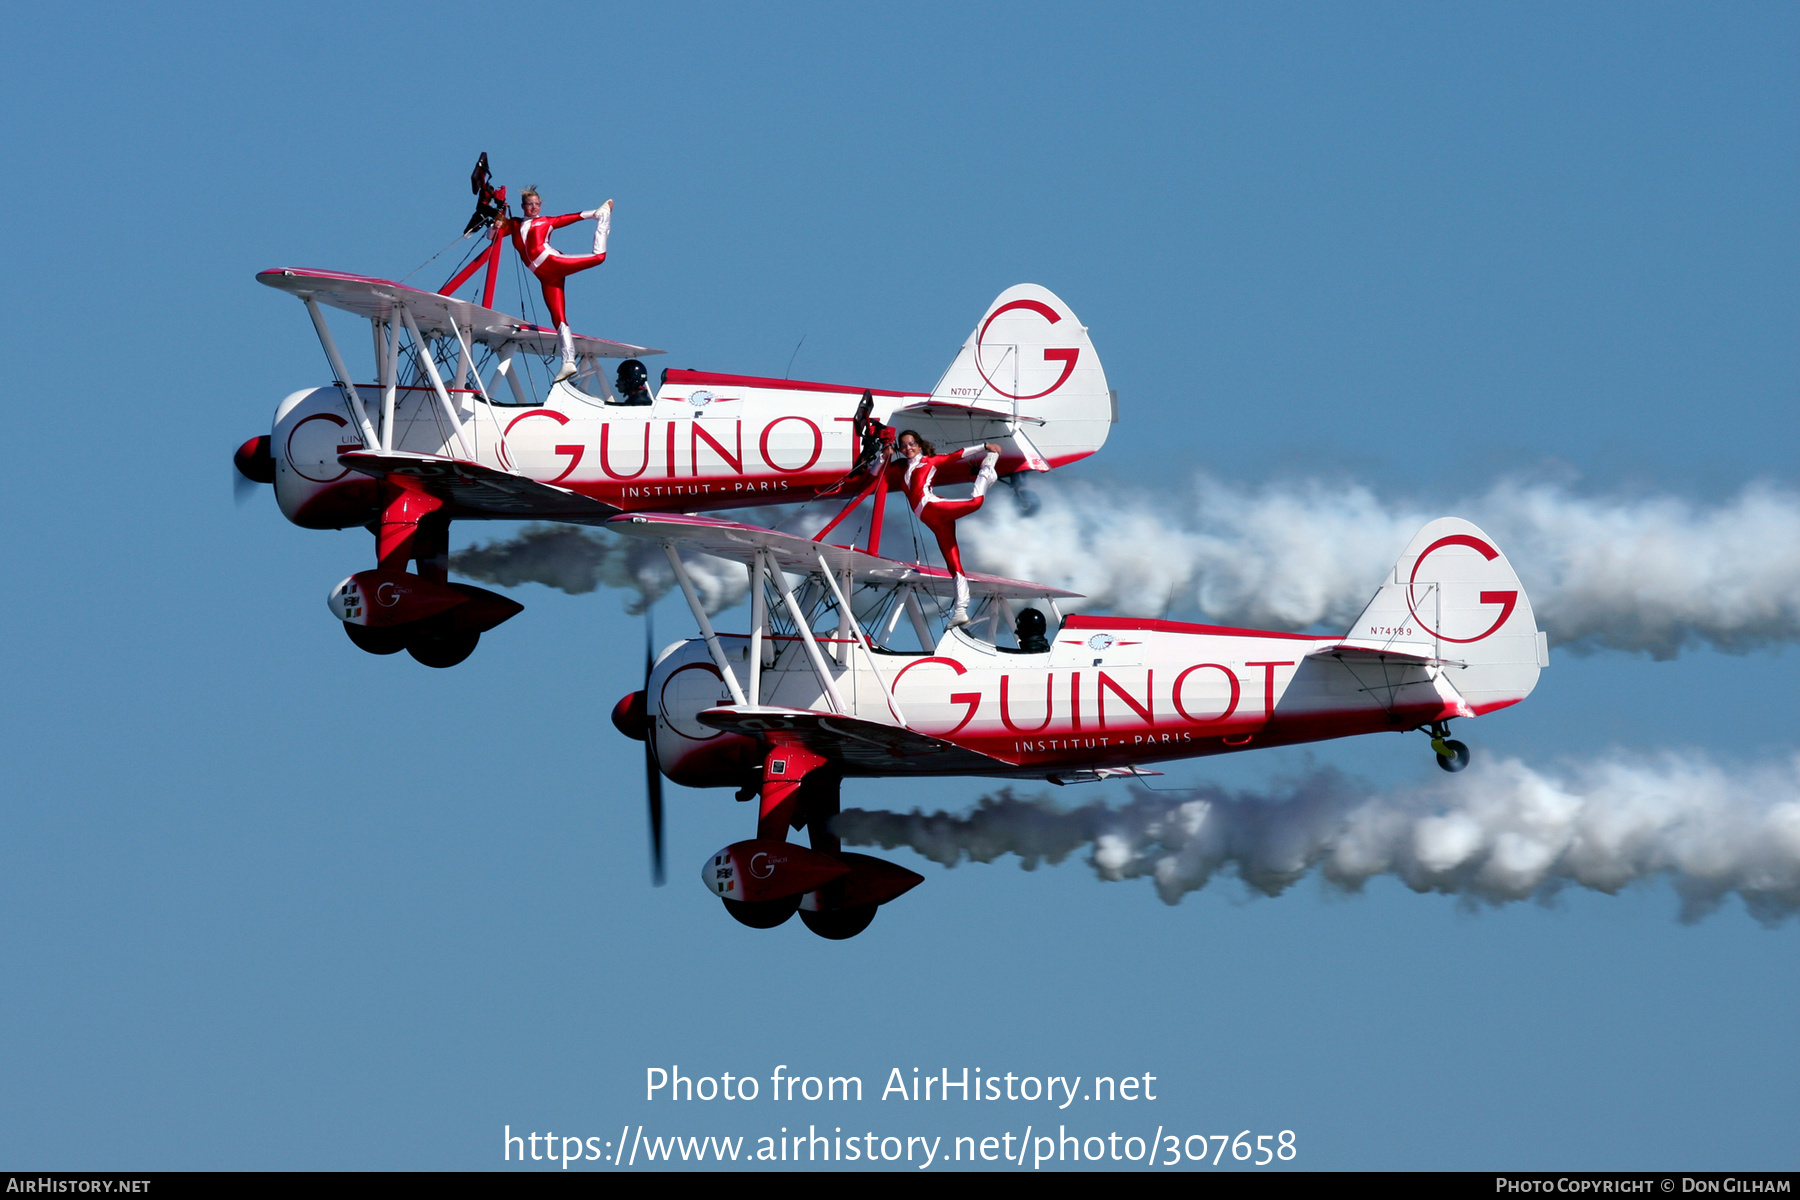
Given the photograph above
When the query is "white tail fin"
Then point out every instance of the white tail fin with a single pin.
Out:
(1454, 597)
(1027, 367)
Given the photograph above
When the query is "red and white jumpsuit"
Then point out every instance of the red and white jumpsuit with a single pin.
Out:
(531, 237)
(940, 515)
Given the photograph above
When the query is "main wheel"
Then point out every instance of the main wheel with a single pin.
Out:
(442, 649)
(763, 914)
(1457, 759)
(376, 641)
(839, 923)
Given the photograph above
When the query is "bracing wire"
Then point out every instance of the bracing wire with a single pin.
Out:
(434, 258)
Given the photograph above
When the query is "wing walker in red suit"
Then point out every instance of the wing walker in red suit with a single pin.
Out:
(531, 237)
(940, 515)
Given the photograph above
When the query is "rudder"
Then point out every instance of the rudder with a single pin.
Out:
(1028, 362)
(1453, 596)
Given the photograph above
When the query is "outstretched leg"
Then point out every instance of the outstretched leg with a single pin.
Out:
(551, 273)
(941, 516)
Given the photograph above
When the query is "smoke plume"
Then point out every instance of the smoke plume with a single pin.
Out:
(1655, 574)
(576, 561)
(1503, 833)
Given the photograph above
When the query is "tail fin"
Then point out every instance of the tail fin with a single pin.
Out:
(1453, 597)
(1029, 364)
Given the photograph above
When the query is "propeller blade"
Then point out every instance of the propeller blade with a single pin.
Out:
(242, 489)
(652, 770)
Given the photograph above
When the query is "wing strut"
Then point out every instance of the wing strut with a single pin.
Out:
(759, 617)
(862, 640)
(512, 377)
(706, 626)
(390, 382)
(437, 381)
(779, 578)
(340, 370)
(919, 624)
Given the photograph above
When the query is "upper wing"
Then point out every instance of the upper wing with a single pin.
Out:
(474, 488)
(738, 542)
(860, 746)
(377, 299)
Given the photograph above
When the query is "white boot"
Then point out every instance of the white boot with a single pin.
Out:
(960, 614)
(986, 475)
(602, 226)
(568, 354)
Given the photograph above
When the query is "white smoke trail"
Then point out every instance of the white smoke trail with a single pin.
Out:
(1655, 574)
(1503, 833)
(576, 561)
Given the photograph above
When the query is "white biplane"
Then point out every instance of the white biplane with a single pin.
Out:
(820, 688)
(460, 422)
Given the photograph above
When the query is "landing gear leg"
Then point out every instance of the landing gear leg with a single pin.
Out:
(785, 770)
(1452, 755)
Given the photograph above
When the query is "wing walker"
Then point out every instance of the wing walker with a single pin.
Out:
(853, 663)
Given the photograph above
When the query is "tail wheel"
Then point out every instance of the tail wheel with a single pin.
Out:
(376, 641)
(839, 923)
(764, 914)
(441, 649)
(1456, 759)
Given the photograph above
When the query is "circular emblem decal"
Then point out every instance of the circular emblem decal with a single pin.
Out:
(992, 358)
(1100, 641)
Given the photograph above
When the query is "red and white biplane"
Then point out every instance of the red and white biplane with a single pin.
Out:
(459, 421)
(818, 690)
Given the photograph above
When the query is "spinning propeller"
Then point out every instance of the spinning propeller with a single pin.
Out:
(631, 717)
(652, 770)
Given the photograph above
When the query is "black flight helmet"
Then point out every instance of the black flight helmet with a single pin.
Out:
(633, 376)
(1030, 624)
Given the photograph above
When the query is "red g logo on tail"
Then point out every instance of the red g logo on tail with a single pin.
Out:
(1507, 600)
(1066, 357)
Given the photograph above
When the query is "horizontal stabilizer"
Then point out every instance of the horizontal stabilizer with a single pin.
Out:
(470, 488)
(944, 409)
(857, 746)
(1378, 653)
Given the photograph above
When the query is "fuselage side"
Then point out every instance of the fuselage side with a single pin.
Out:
(1111, 692)
(695, 448)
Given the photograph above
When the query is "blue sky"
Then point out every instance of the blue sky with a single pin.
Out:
(269, 902)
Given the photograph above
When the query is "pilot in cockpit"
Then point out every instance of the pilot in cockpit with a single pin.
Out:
(1029, 630)
(634, 383)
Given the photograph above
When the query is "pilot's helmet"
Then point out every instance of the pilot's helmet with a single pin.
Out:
(632, 375)
(1029, 624)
